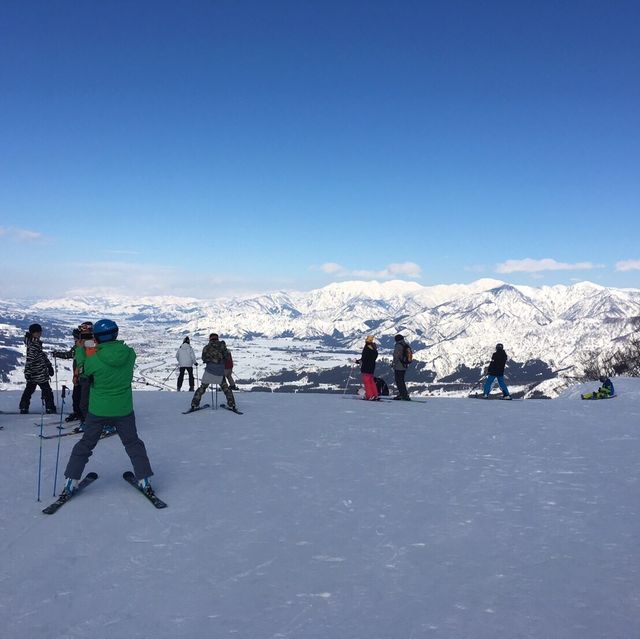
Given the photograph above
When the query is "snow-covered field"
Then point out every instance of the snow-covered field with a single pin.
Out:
(312, 516)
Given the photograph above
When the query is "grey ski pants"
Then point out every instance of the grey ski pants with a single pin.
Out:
(126, 429)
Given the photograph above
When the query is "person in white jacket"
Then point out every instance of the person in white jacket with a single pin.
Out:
(186, 361)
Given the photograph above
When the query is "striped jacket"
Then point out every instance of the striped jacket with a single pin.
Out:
(37, 368)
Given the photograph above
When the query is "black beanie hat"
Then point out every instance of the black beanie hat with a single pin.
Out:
(399, 337)
(186, 340)
(35, 328)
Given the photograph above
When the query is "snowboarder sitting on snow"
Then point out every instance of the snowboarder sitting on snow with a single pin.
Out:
(496, 370)
(37, 371)
(605, 391)
(213, 356)
(110, 370)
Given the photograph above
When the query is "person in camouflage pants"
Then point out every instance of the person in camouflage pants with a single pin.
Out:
(213, 356)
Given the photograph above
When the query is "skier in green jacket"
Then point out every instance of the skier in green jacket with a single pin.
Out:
(110, 404)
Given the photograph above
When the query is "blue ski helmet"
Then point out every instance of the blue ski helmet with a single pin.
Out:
(105, 330)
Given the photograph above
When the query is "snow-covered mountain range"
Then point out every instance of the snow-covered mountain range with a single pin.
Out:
(453, 328)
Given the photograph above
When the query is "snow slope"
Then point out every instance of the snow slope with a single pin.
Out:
(314, 516)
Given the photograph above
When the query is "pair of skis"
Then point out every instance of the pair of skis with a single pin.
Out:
(89, 478)
(194, 410)
(385, 399)
(76, 431)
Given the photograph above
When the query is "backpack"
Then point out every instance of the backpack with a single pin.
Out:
(381, 385)
(407, 355)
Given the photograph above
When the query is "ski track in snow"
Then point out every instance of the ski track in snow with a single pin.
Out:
(309, 518)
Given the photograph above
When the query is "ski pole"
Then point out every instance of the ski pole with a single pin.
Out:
(154, 384)
(169, 375)
(348, 380)
(214, 402)
(40, 458)
(55, 368)
(477, 384)
(197, 375)
(55, 476)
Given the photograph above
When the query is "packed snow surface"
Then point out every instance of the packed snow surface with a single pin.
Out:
(315, 516)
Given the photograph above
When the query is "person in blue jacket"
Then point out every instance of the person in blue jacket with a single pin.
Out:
(605, 391)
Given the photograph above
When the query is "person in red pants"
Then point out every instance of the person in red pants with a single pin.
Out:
(367, 363)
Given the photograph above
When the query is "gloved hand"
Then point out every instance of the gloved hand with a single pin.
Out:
(50, 369)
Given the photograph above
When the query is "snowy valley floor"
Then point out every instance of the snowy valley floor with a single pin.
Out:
(316, 517)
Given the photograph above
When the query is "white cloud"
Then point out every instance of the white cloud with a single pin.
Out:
(22, 235)
(332, 268)
(628, 265)
(408, 269)
(391, 271)
(536, 266)
(132, 279)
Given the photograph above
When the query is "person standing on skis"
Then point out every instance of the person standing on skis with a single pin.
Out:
(37, 371)
(186, 361)
(228, 368)
(110, 370)
(367, 363)
(80, 393)
(213, 357)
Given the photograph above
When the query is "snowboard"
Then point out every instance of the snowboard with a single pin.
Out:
(480, 396)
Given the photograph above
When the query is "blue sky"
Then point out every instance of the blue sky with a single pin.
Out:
(220, 147)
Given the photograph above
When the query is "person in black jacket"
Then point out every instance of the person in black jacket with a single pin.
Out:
(81, 383)
(400, 365)
(367, 363)
(37, 371)
(496, 370)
